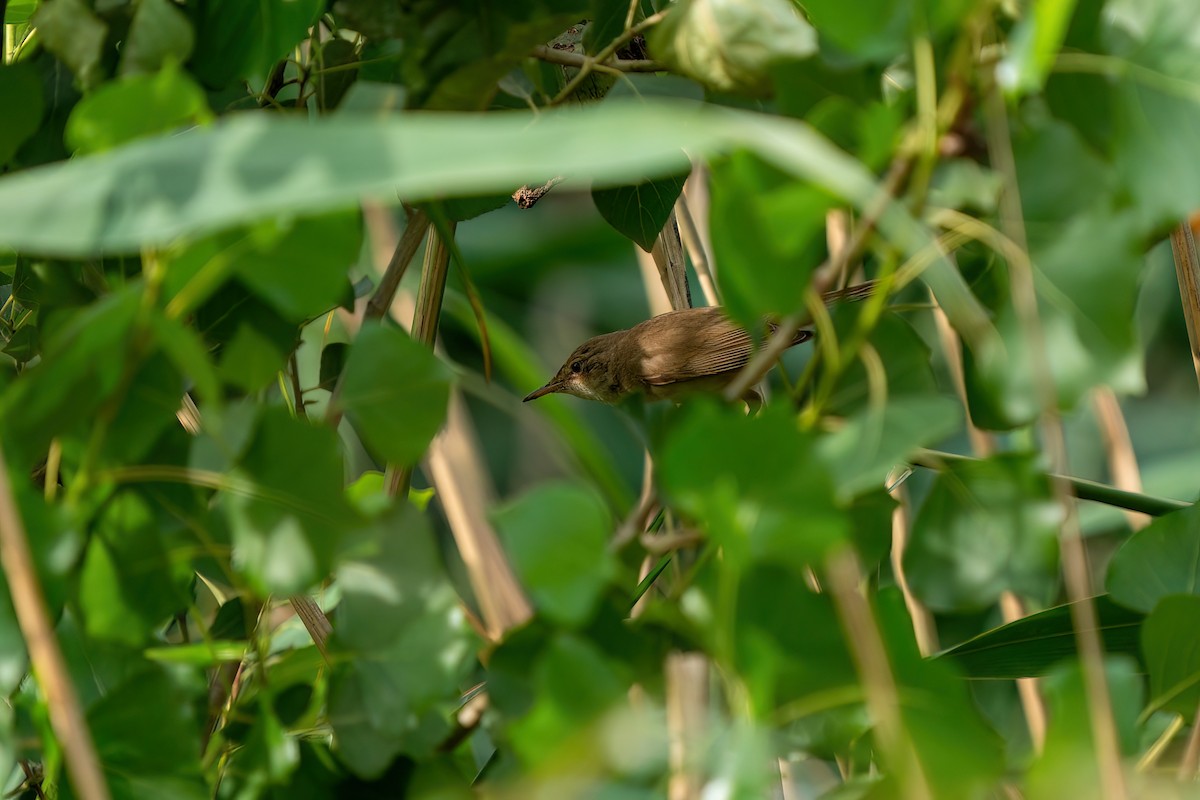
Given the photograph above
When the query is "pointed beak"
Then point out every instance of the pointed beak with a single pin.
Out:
(549, 388)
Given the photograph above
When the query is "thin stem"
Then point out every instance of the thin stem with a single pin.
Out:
(1079, 487)
(49, 666)
(1076, 575)
(605, 54)
(566, 58)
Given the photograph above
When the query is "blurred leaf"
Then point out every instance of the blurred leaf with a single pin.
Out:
(640, 211)
(1173, 655)
(339, 70)
(1030, 646)
(159, 35)
(987, 527)
(962, 183)
(395, 391)
(389, 574)
(82, 363)
(862, 452)
(575, 683)
(906, 364)
(128, 586)
(878, 30)
(729, 47)
(21, 98)
(1161, 559)
(960, 755)
(333, 361)
(136, 106)
(155, 191)
(239, 40)
(400, 617)
(557, 537)
(765, 497)
(1155, 120)
(326, 245)
(1034, 44)
(73, 32)
(768, 236)
(19, 11)
(287, 524)
(147, 738)
(786, 664)
(1067, 767)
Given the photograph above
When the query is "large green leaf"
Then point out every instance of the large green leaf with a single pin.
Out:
(406, 646)
(21, 98)
(1172, 648)
(1160, 560)
(395, 392)
(987, 527)
(756, 484)
(1067, 767)
(136, 106)
(640, 211)
(730, 47)
(557, 539)
(287, 513)
(1030, 646)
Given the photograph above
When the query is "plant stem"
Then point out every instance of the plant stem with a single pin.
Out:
(1081, 488)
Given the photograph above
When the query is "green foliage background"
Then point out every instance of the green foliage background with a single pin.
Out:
(197, 200)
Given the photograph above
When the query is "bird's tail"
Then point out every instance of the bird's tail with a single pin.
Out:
(851, 293)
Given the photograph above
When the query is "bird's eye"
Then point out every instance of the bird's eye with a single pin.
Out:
(576, 367)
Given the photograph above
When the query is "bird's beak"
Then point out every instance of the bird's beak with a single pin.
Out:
(549, 388)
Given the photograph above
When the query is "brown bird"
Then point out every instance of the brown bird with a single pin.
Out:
(680, 352)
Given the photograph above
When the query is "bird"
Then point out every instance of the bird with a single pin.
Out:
(668, 356)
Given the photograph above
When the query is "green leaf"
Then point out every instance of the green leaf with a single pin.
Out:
(19, 11)
(1067, 767)
(1161, 559)
(730, 47)
(147, 737)
(756, 484)
(83, 359)
(987, 527)
(768, 236)
(72, 31)
(339, 65)
(160, 34)
(128, 586)
(785, 663)
(557, 537)
(241, 40)
(395, 392)
(1033, 46)
(288, 520)
(1173, 655)
(575, 683)
(640, 211)
(327, 246)
(389, 573)
(878, 30)
(1155, 120)
(1032, 645)
(21, 99)
(960, 755)
(136, 106)
(865, 449)
(400, 618)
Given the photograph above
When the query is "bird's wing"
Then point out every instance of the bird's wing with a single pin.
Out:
(725, 347)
